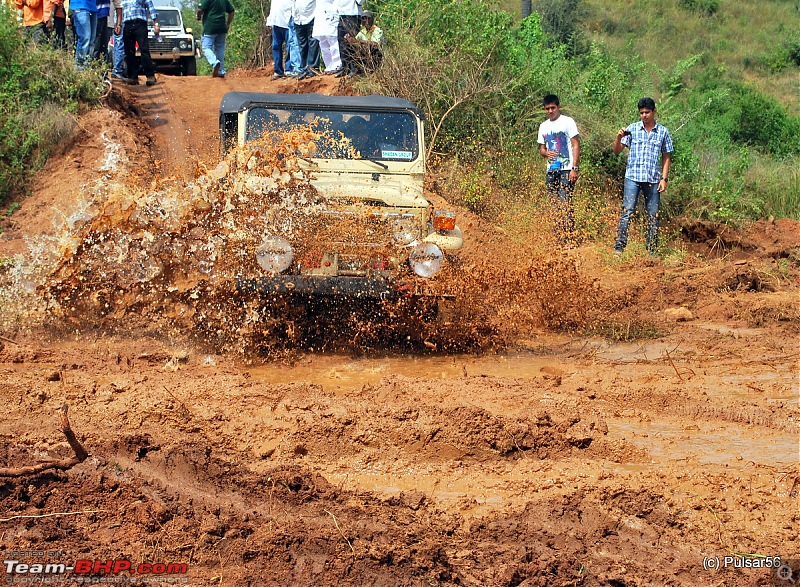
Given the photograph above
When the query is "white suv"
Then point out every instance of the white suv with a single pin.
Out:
(175, 45)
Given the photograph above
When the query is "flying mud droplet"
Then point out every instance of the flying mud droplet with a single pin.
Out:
(169, 255)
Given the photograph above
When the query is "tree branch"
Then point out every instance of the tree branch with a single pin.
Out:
(61, 464)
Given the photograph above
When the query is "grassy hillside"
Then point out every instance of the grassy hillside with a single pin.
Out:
(756, 42)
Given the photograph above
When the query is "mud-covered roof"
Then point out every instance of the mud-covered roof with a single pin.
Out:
(238, 101)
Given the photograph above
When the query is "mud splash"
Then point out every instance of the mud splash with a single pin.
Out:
(164, 259)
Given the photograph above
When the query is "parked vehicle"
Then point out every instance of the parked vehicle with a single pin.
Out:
(175, 44)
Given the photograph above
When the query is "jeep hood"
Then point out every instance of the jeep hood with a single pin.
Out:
(386, 191)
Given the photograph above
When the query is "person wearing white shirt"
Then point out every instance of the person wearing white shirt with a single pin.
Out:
(326, 23)
(559, 144)
(278, 19)
(303, 14)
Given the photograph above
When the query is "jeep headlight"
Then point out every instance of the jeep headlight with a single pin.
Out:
(426, 259)
(274, 254)
(405, 228)
(183, 45)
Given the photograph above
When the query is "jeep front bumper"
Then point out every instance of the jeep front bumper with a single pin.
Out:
(316, 285)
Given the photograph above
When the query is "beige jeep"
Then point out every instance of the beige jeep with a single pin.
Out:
(370, 161)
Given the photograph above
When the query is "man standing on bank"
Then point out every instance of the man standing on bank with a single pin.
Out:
(647, 140)
(559, 143)
(217, 16)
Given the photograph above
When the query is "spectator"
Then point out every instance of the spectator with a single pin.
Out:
(647, 140)
(217, 16)
(278, 19)
(367, 45)
(35, 18)
(303, 15)
(59, 24)
(293, 69)
(560, 145)
(134, 31)
(326, 24)
(106, 27)
(118, 67)
(84, 19)
(348, 11)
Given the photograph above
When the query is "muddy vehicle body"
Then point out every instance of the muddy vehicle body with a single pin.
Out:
(370, 163)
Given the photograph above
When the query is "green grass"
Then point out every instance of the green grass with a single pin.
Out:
(778, 182)
(742, 40)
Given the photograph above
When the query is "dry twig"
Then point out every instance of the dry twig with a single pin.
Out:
(336, 523)
(62, 464)
(669, 358)
(53, 514)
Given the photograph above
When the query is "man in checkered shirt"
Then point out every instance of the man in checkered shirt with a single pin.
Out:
(647, 140)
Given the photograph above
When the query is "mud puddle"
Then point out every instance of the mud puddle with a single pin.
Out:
(707, 443)
(342, 374)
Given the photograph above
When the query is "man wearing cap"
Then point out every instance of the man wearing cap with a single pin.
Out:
(367, 45)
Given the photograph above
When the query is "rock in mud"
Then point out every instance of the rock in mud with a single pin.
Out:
(681, 314)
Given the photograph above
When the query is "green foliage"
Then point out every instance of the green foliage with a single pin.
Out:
(39, 92)
(246, 42)
(561, 21)
(724, 131)
(754, 119)
(603, 79)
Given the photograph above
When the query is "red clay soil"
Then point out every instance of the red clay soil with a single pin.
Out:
(625, 423)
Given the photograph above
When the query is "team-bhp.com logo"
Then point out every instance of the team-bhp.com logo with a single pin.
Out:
(24, 572)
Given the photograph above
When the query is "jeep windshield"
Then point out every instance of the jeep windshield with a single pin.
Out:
(167, 18)
(356, 134)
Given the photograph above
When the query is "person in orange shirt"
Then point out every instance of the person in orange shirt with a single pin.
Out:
(36, 18)
(59, 24)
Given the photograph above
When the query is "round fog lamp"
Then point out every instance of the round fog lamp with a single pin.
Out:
(426, 259)
(274, 254)
(405, 229)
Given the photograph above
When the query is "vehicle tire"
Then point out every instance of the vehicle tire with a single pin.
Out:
(188, 66)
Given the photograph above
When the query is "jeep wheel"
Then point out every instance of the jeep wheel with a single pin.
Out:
(188, 66)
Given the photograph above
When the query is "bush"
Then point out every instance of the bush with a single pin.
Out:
(40, 91)
(561, 21)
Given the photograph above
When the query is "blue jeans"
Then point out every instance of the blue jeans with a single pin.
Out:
(214, 50)
(119, 55)
(293, 48)
(85, 28)
(652, 201)
(280, 36)
(559, 190)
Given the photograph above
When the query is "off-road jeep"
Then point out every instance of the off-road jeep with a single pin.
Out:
(369, 161)
(175, 44)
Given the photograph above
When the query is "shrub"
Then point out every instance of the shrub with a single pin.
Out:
(704, 7)
(561, 21)
(39, 93)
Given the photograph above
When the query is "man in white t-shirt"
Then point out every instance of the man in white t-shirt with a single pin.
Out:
(559, 144)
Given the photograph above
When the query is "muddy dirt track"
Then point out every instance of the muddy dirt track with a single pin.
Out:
(640, 438)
